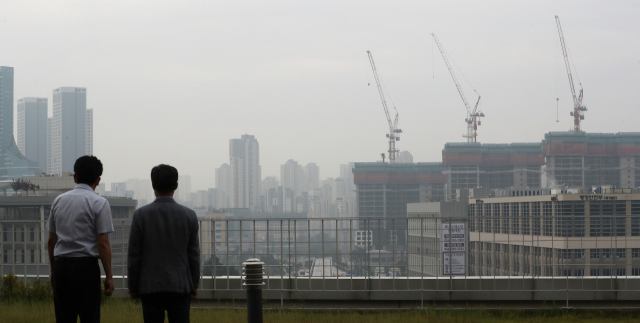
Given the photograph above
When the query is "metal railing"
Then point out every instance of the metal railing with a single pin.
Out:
(424, 254)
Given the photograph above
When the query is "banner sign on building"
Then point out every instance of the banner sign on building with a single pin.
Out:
(453, 248)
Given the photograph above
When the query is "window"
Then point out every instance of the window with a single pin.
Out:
(33, 256)
(621, 253)
(595, 253)
(635, 252)
(566, 254)
(621, 272)
(606, 272)
(595, 272)
(578, 254)
(566, 272)
(606, 253)
(579, 272)
(635, 271)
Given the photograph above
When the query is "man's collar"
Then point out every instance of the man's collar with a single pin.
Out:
(84, 187)
(164, 199)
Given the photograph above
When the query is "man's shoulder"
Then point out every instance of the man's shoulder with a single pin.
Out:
(173, 207)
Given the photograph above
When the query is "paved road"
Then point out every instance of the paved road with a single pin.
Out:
(323, 267)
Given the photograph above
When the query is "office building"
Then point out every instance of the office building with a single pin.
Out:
(383, 191)
(580, 159)
(68, 128)
(245, 172)
(32, 130)
(89, 150)
(13, 164)
(565, 233)
(493, 166)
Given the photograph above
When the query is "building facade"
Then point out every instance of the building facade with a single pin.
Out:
(89, 150)
(13, 164)
(492, 166)
(32, 130)
(383, 191)
(68, 128)
(567, 234)
(580, 159)
(245, 172)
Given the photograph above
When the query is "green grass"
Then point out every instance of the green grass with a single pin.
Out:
(123, 310)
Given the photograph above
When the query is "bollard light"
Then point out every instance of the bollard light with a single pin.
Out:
(253, 273)
(253, 280)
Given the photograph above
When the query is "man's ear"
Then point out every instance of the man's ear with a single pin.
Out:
(175, 189)
(75, 179)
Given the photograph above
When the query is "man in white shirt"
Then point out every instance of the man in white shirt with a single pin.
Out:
(79, 227)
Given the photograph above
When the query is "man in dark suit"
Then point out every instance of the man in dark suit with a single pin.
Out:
(164, 252)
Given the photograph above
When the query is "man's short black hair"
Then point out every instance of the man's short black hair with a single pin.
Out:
(164, 178)
(88, 169)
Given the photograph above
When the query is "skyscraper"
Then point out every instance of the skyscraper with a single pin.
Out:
(89, 132)
(68, 128)
(48, 170)
(244, 155)
(312, 176)
(292, 177)
(12, 163)
(223, 185)
(32, 130)
(183, 193)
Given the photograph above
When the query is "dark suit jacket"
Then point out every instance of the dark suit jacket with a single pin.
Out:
(164, 251)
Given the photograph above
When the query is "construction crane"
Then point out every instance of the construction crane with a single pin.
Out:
(473, 116)
(578, 108)
(393, 125)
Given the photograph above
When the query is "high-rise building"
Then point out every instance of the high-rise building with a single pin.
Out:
(492, 166)
(346, 173)
(223, 186)
(244, 155)
(119, 189)
(13, 164)
(312, 176)
(68, 128)
(292, 176)
(89, 132)
(404, 157)
(269, 182)
(184, 188)
(583, 160)
(48, 170)
(32, 130)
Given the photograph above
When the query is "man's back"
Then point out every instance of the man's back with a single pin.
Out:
(77, 217)
(164, 252)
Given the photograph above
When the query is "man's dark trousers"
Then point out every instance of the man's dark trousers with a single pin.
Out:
(176, 304)
(76, 289)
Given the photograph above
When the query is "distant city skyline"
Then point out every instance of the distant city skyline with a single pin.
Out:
(172, 86)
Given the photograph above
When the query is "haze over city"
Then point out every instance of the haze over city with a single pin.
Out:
(172, 82)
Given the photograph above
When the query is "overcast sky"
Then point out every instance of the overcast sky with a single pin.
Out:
(173, 81)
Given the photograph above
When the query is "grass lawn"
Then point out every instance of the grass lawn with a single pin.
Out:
(119, 310)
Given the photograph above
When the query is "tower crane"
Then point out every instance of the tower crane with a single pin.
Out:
(473, 116)
(393, 125)
(578, 108)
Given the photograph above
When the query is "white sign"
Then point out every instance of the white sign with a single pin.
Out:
(453, 248)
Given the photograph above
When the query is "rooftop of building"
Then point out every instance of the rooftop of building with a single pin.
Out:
(431, 167)
(619, 137)
(518, 147)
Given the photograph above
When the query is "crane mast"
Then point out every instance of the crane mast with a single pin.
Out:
(393, 125)
(578, 108)
(473, 116)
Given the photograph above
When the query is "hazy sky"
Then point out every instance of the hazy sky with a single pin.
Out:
(173, 81)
